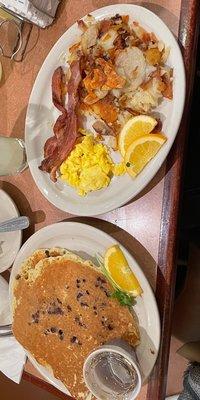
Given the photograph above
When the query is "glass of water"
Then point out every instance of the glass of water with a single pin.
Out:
(12, 156)
(112, 373)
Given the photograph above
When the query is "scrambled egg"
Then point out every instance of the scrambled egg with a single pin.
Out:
(89, 167)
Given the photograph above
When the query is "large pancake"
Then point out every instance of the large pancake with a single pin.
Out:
(63, 311)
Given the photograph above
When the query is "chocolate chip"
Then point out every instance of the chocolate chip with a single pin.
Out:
(84, 280)
(78, 281)
(94, 307)
(69, 307)
(84, 304)
(78, 286)
(53, 329)
(55, 310)
(73, 339)
(95, 312)
(47, 253)
(79, 321)
(110, 327)
(87, 292)
(18, 276)
(79, 295)
(101, 280)
(61, 334)
(59, 301)
(35, 317)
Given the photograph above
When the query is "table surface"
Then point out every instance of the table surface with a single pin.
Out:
(146, 226)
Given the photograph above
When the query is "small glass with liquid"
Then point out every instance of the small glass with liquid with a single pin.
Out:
(111, 372)
(12, 156)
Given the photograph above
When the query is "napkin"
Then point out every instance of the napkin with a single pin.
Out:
(12, 355)
(40, 12)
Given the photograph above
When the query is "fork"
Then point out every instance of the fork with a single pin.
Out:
(8, 329)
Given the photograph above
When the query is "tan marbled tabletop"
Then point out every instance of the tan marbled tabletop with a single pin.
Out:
(147, 225)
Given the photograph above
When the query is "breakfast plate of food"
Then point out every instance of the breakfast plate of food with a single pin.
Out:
(73, 288)
(105, 109)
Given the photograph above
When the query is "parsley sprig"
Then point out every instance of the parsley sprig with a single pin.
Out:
(124, 298)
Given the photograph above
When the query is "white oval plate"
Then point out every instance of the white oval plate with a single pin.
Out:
(10, 242)
(41, 114)
(87, 241)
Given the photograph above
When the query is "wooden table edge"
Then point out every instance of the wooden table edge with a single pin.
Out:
(167, 257)
(169, 221)
(45, 385)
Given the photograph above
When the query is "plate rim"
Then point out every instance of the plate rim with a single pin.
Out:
(98, 210)
(11, 201)
(92, 229)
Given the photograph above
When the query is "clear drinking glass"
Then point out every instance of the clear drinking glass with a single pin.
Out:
(12, 156)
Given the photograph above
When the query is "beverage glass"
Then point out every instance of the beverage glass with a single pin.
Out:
(12, 156)
(112, 372)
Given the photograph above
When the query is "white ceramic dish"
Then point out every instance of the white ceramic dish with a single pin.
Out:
(10, 242)
(88, 241)
(41, 114)
(119, 348)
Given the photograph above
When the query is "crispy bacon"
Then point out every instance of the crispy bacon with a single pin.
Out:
(50, 146)
(58, 89)
(57, 148)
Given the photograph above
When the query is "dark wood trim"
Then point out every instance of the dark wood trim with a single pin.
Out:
(166, 272)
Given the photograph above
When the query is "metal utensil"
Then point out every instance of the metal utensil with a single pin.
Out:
(4, 327)
(7, 329)
(14, 224)
(6, 334)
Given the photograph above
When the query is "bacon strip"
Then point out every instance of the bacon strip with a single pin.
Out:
(58, 147)
(57, 89)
